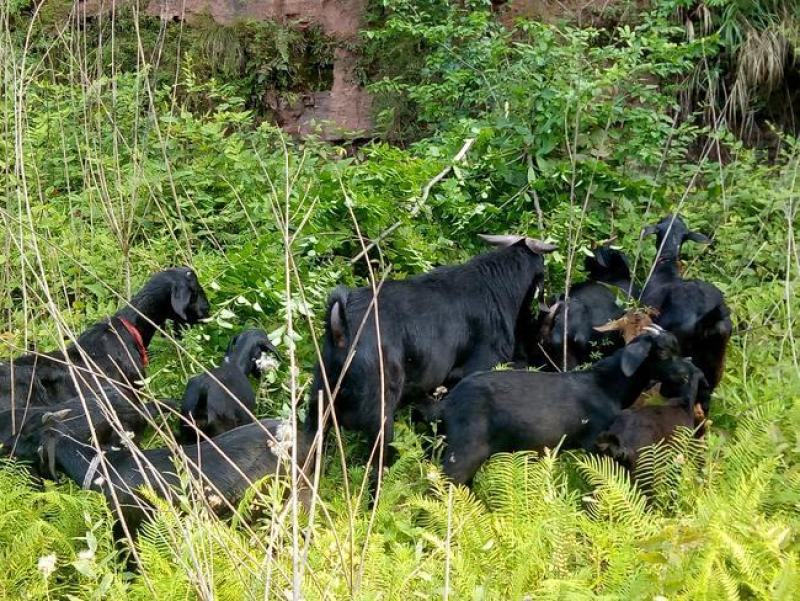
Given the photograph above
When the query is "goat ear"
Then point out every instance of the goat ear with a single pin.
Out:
(539, 247)
(181, 297)
(500, 241)
(698, 237)
(634, 355)
(607, 443)
(232, 344)
(338, 325)
(649, 230)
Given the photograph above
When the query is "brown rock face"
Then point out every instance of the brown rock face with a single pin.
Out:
(338, 18)
(594, 13)
(344, 111)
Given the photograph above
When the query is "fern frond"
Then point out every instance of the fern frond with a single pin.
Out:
(667, 471)
(615, 498)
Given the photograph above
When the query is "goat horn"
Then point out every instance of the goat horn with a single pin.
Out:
(601, 243)
(540, 247)
(500, 240)
(649, 230)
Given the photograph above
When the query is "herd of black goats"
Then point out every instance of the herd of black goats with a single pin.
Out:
(431, 341)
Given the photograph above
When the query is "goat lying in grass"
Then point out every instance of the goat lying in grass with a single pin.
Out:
(693, 310)
(224, 467)
(223, 398)
(505, 411)
(639, 427)
(109, 414)
(20, 388)
(114, 351)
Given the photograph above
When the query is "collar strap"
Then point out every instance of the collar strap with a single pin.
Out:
(93, 465)
(137, 339)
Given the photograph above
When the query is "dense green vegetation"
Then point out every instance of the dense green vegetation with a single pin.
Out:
(116, 165)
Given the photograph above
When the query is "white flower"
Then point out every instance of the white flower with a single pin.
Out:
(281, 447)
(47, 565)
(214, 501)
(266, 363)
(86, 555)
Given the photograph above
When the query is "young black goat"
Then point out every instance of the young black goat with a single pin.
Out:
(109, 413)
(114, 351)
(505, 411)
(589, 304)
(225, 466)
(693, 310)
(432, 329)
(19, 388)
(639, 427)
(223, 398)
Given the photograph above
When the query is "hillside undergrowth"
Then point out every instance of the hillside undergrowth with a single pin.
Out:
(111, 173)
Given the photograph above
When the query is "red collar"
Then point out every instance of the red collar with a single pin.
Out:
(137, 338)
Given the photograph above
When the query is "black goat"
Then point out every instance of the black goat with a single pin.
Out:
(109, 414)
(693, 310)
(114, 351)
(590, 304)
(431, 330)
(19, 387)
(225, 466)
(223, 398)
(639, 427)
(505, 411)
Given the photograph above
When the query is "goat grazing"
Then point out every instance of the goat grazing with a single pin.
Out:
(114, 351)
(589, 304)
(639, 427)
(422, 333)
(225, 466)
(505, 411)
(693, 310)
(223, 398)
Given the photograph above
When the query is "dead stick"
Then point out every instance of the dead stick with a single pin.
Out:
(426, 190)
